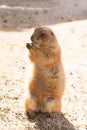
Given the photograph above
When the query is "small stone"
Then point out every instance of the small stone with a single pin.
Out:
(71, 73)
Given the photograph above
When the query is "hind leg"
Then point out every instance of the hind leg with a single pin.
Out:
(53, 105)
(31, 105)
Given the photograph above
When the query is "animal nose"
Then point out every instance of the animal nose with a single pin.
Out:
(31, 37)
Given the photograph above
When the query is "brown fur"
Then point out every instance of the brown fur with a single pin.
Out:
(47, 82)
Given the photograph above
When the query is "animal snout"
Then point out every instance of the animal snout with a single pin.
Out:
(32, 38)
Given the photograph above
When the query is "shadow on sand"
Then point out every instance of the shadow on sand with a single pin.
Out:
(51, 122)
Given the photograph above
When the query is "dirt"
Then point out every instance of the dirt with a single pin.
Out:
(68, 19)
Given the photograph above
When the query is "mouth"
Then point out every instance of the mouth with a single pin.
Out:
(30, 45)
(33, 43)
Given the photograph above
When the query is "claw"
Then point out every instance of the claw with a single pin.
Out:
(31, 114)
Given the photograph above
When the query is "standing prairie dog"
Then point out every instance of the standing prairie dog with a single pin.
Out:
(47, 82)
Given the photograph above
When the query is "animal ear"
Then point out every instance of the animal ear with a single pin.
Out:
(52, 33)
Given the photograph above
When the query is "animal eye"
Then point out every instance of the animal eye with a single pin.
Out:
(42, 34)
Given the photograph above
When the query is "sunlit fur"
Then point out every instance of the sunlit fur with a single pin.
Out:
(47, 80)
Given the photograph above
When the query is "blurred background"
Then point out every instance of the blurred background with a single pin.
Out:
(22, 14)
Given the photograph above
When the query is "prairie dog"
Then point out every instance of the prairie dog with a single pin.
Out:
(47, 82)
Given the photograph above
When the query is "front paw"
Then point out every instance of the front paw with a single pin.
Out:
(31, 114)
(29, 45)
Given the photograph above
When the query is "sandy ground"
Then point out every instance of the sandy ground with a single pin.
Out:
(68, 19)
